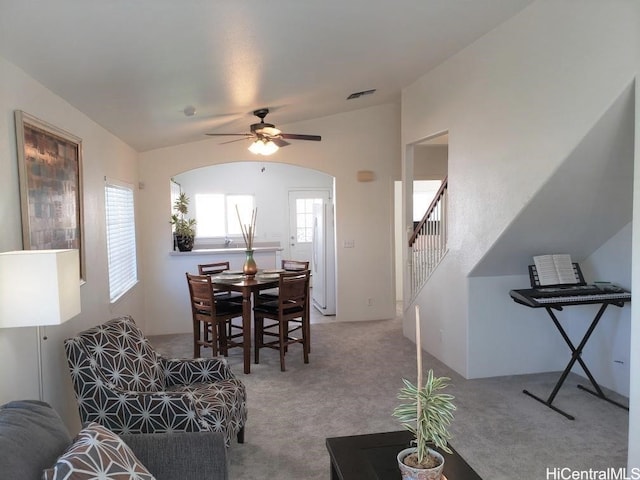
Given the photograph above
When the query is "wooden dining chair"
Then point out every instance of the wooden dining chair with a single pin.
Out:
(294, 265)
(279, 319)
(215, 269)
(213, 325)
(287, 266)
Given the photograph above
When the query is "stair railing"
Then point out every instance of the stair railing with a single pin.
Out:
(428, 244)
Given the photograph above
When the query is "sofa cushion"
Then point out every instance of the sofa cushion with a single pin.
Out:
(32, 436)
(97, 453)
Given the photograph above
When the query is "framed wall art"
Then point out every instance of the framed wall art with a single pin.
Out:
(50, 171)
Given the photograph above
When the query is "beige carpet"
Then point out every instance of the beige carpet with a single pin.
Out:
(350, 388)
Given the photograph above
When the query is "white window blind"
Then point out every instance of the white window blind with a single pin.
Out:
(121, 239)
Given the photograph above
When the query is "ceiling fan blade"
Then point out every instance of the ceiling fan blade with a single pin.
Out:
(295, 136)
(280, 142)
(229, 134)
(236, 140)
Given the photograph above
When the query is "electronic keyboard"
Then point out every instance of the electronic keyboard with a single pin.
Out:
(570, 295)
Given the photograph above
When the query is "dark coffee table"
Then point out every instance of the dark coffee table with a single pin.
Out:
(373, 457)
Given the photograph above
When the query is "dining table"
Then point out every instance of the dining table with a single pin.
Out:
(248, 286)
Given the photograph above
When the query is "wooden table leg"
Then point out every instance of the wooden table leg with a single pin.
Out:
(246, 329)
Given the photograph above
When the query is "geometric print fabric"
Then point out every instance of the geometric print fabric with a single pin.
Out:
(122, 383)
(97, 453)
(125, 356)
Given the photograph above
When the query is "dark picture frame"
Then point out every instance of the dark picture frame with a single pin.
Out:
(50, 171)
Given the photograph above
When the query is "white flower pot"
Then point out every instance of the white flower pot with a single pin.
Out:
(410, 473)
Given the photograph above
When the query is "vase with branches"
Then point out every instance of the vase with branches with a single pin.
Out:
(250, 267)
(427, 413)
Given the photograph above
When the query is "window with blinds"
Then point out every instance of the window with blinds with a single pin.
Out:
(216, 214)
(121, 239)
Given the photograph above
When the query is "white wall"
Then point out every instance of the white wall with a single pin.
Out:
(103, 155)
(269, 183)
(493, 315)
(634, 355)
(634, 361)
(361, 140)
(607, 352)
(430, 162)
(515, 103)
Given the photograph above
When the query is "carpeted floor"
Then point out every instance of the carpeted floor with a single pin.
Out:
(350, 387)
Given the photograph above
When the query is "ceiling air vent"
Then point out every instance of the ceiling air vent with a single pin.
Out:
(359, 94)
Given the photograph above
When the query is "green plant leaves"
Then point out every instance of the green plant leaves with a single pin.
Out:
(183, 226)
(436, 415)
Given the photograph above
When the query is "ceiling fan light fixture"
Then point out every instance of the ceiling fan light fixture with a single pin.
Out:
(262, 147)
(267, 138)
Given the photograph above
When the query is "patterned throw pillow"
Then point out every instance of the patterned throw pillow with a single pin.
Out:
(97, 453)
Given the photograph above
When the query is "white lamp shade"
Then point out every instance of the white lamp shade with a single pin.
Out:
(39, 287)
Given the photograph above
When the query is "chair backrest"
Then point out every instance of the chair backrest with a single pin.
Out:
(294, 265)
(293, 290)
(212, 268)
(118, 352)
(203, 305)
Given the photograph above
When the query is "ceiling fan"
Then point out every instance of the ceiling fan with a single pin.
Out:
(267, 138)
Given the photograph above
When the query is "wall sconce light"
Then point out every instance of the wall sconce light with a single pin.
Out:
(365, 176)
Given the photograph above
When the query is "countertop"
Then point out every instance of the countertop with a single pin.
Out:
(226, 250)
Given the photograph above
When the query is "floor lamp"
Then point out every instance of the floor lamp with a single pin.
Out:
(39, 288)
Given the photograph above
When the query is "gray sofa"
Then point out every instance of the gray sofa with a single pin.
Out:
(33, 436)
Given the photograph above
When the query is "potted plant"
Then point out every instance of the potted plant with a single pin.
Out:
(427, 413)
(184, 228)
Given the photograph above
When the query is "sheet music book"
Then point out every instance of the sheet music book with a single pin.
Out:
(555, 269)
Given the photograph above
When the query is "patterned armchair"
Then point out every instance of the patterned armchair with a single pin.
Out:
(122, 383)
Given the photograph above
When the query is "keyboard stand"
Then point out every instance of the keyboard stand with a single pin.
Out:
(576, 353)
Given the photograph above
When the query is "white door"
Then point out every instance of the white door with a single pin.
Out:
(301, 222)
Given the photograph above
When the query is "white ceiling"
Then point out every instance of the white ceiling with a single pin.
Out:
(134, 65)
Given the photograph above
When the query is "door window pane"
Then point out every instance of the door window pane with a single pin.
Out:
(304, 219)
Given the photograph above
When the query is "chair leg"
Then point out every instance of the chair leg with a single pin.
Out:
(307, 329)
(307, 311)
(259, 339)
(305, 338)
(210, 338)
(241, 435)
(222, 338)
(196, 339)
(283, 330)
